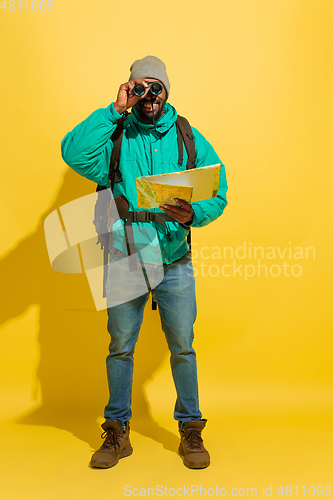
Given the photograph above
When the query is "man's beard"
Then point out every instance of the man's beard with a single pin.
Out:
(147, 117)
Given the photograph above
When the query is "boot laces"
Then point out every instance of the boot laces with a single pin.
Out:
(193, 439)
(112, 439)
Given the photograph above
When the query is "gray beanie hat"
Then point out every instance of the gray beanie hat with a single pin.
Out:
(150, 67)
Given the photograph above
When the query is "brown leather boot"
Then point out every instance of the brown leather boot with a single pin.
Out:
(116, 445)
(191, 448)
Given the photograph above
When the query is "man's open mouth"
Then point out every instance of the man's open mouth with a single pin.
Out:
(148, 106)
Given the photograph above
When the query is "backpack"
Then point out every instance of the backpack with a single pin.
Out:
(103, 204)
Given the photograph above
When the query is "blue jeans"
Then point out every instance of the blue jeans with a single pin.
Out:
(175, 296)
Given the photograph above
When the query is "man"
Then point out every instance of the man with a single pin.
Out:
(149, 146)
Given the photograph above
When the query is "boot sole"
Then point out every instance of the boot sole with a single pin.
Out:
(107, 465)
(191, 465)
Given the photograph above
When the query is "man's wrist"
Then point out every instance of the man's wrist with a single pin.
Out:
(187, 225)
(119, 109)
(114, 114)
(197, 216)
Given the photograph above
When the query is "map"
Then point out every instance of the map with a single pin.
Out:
(189, 185)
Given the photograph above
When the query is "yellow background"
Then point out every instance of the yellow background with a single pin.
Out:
(255, 77)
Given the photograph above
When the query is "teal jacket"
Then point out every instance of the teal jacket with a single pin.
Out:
(144, 151)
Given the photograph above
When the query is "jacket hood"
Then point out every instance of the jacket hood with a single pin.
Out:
(163, 124)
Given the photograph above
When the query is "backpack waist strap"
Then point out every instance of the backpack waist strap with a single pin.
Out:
(145, 217)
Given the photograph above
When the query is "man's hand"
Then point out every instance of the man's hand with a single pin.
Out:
(126, 98)
(182, 215)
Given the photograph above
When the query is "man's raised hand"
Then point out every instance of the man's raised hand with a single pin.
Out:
(126, 97)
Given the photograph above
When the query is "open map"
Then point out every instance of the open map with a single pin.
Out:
(190, 185)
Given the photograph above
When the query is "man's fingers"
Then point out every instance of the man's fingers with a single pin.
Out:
(126, 97)
(182, 215)
(175, 210)
(185, 207)
(179, 218)
(132, 98)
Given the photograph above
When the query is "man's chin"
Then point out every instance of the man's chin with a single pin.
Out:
(147, 116)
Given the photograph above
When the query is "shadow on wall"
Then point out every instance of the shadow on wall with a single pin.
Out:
(74, 340)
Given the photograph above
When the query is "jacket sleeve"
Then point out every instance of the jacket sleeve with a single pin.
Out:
(207, 211)
(87, 148)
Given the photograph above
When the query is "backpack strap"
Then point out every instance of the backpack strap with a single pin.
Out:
(116, 138)
(184, 133)
(180, 144)
(114, 176)
(114, 172)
